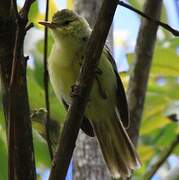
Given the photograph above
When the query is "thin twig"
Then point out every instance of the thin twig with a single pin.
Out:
(46, 80)
(29, 26)
(84, 84)
(164, 25)
(166, 153)
(25, 10)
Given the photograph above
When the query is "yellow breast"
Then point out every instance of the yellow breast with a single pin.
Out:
(63, 72)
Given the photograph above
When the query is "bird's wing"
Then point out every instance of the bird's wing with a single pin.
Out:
(121, 96)
(85, 126)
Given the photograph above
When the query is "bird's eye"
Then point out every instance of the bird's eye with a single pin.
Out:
(66, 23)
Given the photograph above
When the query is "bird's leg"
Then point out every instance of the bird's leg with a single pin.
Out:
(101, 90)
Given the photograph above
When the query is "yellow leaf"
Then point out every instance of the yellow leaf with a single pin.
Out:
(151, 124)
(70, 4)
(52, 8)
(145, 152)
(40, 17)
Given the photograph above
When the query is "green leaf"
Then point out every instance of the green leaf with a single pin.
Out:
(145, 152)
(149, 125)
(169, 90)
(37, 98)
(165, 62)
(40, 45)
(3, 162)
(3, 143)
(33, 12)
(137, 3)
(169, 133)
(41, 150)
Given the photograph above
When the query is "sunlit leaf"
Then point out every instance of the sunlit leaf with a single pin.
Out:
(37, 100)
(41, 150)
(137, 3)
(3, 149)
(3, 160)
(70, 4)
(165, 62)
(145, 152)
(33, 12)
(169, 133)
(149, 125)
(168, 90)
(52, 8)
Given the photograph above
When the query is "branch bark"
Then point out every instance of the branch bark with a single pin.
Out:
(84, 84)
(141, 66)
(7, 39)
(87, 159)
(16, 107)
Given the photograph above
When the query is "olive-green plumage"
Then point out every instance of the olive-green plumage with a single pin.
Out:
(107, 109)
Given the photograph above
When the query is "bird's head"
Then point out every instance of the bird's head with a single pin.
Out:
(67, 23)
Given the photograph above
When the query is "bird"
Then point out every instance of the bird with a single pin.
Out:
(106, 116)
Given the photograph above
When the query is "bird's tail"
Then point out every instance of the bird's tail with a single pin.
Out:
(117, 149)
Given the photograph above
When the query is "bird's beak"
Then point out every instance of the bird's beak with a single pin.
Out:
(48, 24)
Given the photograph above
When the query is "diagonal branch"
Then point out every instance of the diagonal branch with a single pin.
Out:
(164, 25)
(84, 84)
(154, 168)
(25, 10)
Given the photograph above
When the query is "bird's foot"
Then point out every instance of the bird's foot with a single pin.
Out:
(75, 90)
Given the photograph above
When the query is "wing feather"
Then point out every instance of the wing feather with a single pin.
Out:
(85, 126)
(121, 96)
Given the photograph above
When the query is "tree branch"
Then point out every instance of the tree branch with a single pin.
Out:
(166, 153)
(164, 25)
(25, 10)
(7, 38)
(141, 66)
(84, 84)
(46, 80)
(19, 124)
(87, 148)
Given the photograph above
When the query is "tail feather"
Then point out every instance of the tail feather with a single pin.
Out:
(135, 160)
(117, 149)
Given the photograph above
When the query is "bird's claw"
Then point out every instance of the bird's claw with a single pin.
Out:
(75, 90)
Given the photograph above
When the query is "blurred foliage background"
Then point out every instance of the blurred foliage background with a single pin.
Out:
(161, 113)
